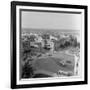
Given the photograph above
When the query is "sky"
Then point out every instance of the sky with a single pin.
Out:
(43, 20)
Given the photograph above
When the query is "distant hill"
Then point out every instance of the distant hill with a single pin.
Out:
(56, 31)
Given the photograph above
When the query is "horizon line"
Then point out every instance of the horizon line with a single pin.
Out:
(49, 29)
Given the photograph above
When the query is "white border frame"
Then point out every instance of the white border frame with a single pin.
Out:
(49, 80)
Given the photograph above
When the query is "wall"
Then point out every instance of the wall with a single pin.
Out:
(5, 44)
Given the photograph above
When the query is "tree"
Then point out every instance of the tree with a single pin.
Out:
(45, 36)
(27, 70)
(32, 38)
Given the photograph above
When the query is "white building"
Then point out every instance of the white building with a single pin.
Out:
(51, 44)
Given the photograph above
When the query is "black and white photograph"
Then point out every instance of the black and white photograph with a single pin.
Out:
(50, 44)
